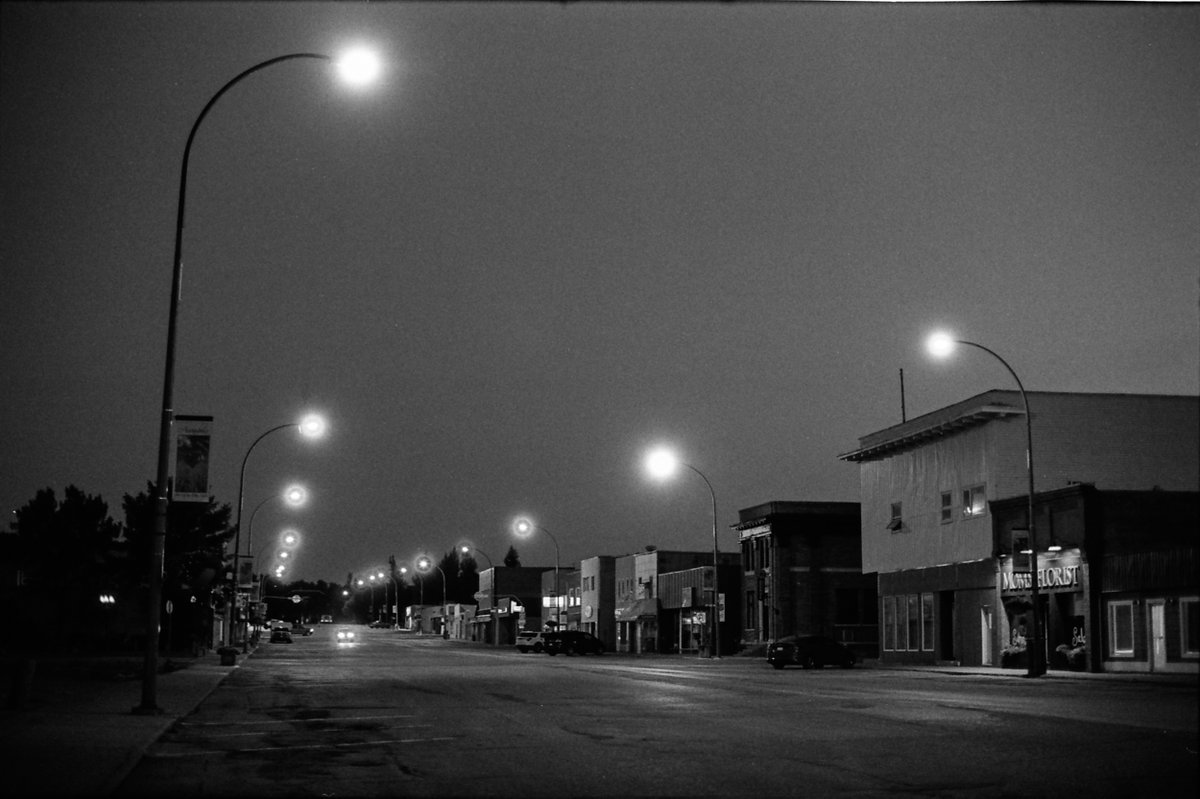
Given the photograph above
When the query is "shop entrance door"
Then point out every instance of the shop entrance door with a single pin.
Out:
(1158, 636)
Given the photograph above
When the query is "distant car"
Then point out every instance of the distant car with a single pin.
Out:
(345, 636)
(327, 619)
(573, 642)
(809, 652)
(281, 636)
(379, 624)
(301, 629)
(531, 640)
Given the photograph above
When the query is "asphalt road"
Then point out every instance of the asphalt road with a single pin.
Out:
(397, 715)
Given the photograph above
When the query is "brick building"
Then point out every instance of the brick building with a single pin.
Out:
(802, 574)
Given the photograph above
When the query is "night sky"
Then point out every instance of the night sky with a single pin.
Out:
(554, 234)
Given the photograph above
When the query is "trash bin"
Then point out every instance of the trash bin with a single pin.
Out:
(228, 655)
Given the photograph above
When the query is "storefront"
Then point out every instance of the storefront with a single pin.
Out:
(1063, 617)
(637, 626)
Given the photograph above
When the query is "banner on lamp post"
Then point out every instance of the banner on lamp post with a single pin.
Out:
(193, 436)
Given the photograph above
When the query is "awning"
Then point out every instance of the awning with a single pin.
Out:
(641, 609)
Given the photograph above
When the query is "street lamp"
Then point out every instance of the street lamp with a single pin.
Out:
(523, 527)
(311, 426)
(661, 464)
(466, 549)
(424, 564)
(353, 68)
(941, 345)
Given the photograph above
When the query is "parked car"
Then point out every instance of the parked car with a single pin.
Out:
(345, 636)
(281, 635)
(380, 624)
(573, 642)
(809, 652)
(531, 640)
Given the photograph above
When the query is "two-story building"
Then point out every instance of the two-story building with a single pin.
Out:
(642, 625)
(509, 599)
(929, 484)
(802, 574)
(597, 596)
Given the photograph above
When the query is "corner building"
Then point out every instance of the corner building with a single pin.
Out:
(943, 493)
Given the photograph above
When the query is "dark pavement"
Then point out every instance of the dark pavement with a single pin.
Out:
(77, 735)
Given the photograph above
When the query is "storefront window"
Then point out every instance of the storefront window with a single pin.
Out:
(927, 622)
(1120, 628)
(914, 621)
(889, 623)
(1189, 624)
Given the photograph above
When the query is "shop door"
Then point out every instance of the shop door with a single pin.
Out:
(1158, 636)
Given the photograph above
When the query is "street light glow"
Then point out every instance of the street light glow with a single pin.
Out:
(295, 495)
(359, 66)
(312, 426)
(289, 538)
(940, 344)
(522, 526)
(661, 463)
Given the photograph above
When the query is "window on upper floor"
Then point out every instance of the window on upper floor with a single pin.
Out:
(947, 507)
(974, 501)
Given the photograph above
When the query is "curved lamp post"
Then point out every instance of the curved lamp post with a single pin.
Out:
(311, 426)
(467, 549)
(424, 564)
(356, 68)
(522, 527)
(662, 463)
(941, 345)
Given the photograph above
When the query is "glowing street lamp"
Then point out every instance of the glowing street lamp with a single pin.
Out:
(467, 549)
(942, 345)
(149, 701)
(523, 527)
(424, 565)
(661, 464)
(311, 426)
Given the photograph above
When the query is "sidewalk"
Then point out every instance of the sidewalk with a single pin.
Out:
(77, 734)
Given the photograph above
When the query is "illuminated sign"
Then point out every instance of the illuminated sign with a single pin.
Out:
(1062, 572)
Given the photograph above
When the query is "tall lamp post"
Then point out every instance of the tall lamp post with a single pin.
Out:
(661, 463)
(293, 495)
(522, 527)
(424, 564)
(467, 549)
(941, 345)
(357, 67)
(311, 426)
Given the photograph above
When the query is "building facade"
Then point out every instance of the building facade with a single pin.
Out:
(641, 623)
(597, 596)
(509, 599)
(929, 485)
(802, 574)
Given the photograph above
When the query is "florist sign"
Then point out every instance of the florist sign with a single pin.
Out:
(1061, 573)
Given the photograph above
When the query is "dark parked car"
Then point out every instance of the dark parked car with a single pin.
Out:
(809, 652)
(572, 642)
(281, 636)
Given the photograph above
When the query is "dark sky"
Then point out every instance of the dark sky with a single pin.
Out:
(554, 234)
